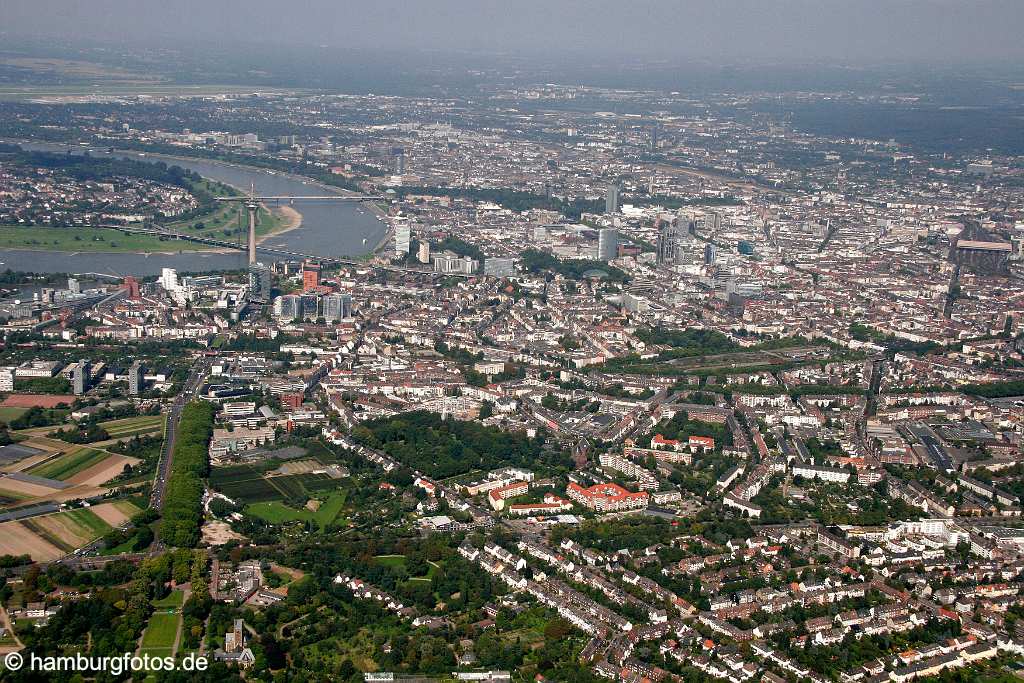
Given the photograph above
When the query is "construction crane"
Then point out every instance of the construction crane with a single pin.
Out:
(252, 203)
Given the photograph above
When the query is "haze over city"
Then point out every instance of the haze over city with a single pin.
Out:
(710, 31)
(426, 342)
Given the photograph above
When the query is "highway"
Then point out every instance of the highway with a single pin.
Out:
(163, 469)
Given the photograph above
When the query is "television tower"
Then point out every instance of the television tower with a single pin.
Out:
(252, 203)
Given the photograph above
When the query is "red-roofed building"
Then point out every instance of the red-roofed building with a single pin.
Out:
(497, 496)
(552, 505)
(659, 442)
(428, 486)
(607, 497)
(703, 443)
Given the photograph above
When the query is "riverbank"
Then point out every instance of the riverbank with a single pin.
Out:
(292, 221)
(72, 240)
(339, 229)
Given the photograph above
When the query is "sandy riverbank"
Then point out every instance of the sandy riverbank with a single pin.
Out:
(293, 220)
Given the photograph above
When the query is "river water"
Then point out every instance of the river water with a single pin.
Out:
(328, 228)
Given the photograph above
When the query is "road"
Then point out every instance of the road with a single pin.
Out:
(163, 468)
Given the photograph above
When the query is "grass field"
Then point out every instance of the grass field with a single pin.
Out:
(174, 600)
(69, 464)
(8, 413)
(275, 512)
(359, 649)
(73, 239)
(158, 639)
(390, 560)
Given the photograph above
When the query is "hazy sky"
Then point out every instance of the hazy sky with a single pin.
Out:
(778, 30)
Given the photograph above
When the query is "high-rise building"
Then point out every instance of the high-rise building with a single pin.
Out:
(710, 253)
(287, 307)
(80, 377)
(424, 253)
(712, 222)
(310, 304)
(668, 242)
(337, 307)
(261, 281)
(136, 378)
(403, 238)
(611, 200)
(450, 262)
(169, 279)
(74, 285)
(725, 284)
(686, 225)
(499, 267)
(310, 275)
(607, 244)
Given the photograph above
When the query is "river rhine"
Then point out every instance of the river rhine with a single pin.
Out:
(328, 228)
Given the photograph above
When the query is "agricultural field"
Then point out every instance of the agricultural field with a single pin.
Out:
(275, 512)
(68, 464)
(246, 484)
(103, 471)
(130, 426)
(117, 512)
(82, 466)
(17, 539)
(68, 530)
(50, 536)
(243, 483)
(19, 490)
(10, 499)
